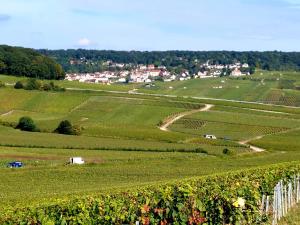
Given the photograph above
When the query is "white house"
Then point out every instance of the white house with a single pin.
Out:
(245, 65)
(76, 160)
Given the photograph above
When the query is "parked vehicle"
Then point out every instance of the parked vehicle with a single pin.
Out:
(15, 164)
(76, 160)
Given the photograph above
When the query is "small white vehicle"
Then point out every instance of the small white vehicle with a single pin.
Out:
(210, 136)
(76, 160)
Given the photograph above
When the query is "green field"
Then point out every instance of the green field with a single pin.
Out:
(46, 175)
(121, 140)
(265, 86)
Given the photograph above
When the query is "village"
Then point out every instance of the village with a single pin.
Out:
(128, 73)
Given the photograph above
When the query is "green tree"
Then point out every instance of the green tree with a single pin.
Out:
(47, 87)
(33, 84)
(65, 127)
(28, 62)
(19, 85)
(2, 84)
(26, 124)
(2, 66)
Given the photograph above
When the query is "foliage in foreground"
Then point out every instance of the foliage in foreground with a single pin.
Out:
(229, 198)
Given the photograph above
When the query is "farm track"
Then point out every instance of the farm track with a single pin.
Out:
(254, 148)
(79, 106)
(258, 149)
(173, 119)
(8, 113)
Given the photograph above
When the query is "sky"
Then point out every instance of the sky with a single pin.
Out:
(148, 25)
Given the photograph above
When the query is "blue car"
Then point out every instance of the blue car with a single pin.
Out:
(15, 165)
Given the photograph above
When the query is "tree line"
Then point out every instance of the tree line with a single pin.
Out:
(190, 60)
(26, 62)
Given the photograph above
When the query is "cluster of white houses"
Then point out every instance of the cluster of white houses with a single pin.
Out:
(149, 73)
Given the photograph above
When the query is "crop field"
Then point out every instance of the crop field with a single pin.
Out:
(285, 141)
(232, 125)
(265, 87)
(123, 144)
(47, 176)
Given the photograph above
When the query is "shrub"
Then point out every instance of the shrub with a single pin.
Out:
(19, 85)
(33, 84)
(26, 124)
(65, 127)
(226, 151)
(2, 84)
(47, 87)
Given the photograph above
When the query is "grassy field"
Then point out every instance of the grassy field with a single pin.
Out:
(121, 140)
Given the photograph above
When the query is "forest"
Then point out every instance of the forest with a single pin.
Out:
(189, 60)
(28, 62)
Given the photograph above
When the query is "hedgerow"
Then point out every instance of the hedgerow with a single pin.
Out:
(210, 200)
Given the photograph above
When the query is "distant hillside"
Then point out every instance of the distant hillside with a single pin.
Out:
(91, 60)
(27, 62)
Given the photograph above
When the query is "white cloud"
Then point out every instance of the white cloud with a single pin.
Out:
(84, 42)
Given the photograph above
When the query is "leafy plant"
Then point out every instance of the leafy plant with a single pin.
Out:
(26, 124)
(229, 198)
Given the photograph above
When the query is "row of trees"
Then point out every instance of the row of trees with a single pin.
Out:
(190, 60)
(28, 62)
(34, 84)
(64, 127)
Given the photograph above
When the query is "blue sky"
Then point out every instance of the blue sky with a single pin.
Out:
(152, 24)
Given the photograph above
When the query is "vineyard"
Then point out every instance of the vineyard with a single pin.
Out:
(229, 198)
(137, 173)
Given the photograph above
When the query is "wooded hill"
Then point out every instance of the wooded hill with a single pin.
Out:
(189, 60)
(28, 62)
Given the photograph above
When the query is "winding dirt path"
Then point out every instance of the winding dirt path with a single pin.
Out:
(207, 107)
(8, 113)
(258, 149)
(254, 148)
(170, 121)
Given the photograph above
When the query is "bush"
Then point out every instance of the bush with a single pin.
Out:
(65, 127)
(227, 151)
(33, 84)
(47, 87)
(19, 85)
(2, 84)
(26, 124)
